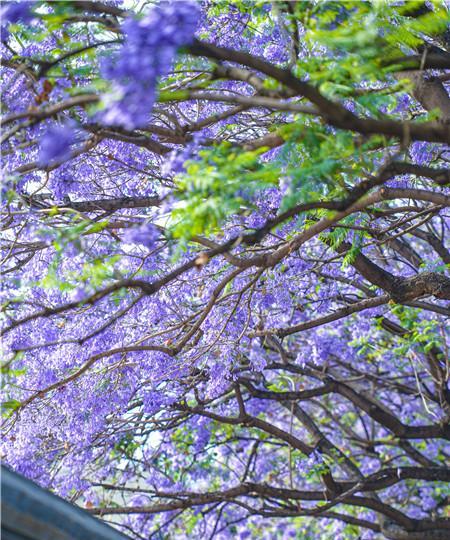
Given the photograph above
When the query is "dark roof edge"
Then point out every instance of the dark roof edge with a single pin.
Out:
(34, 512)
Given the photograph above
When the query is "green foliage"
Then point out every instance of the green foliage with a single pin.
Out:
(315, 161)
(94, 272)
(362, 36)
(10, 406)
(217, 186)
(126, 447)
(354, 251)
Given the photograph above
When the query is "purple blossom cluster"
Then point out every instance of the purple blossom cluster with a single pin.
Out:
(14, 12)
(55, 144)
(146, 55)
(146, 235)
(175, 162)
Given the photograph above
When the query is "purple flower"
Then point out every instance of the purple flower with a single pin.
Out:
(150, 45)
(175, 163)
(403, 103)
(422, 152)
(13, 12)
(55, 145)
(146, 235)
(63, 182)
(256, 357)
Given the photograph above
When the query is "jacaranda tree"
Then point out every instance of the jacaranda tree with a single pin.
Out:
(225, 257)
